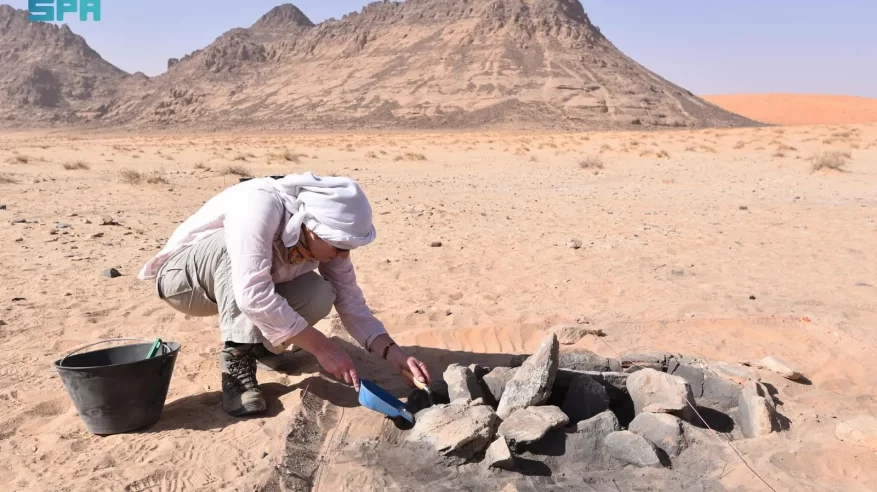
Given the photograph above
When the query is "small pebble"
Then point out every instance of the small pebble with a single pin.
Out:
(448, 312)
(574, 244)
(97, 235)
(419, 311)
(111, 273)
(61, 225)
(264, 454)
(19, 239)
(743, 207)
(19, 221)
(16, 299)
(435, 244)
(2, 207)
(752, 297)
(2, 323)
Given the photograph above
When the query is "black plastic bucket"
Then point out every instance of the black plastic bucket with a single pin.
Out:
(118, 389)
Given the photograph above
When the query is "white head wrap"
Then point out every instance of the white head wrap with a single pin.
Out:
(335, 208)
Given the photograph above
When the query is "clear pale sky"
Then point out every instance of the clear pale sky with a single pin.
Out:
(706, 46)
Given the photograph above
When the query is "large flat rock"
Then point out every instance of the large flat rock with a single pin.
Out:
(756, 411)
(530, 424)
(632, 449)
(456, 430)
(658, 392)
(531, 384)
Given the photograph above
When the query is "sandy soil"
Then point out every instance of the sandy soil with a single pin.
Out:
(799, 109)
(673, 248)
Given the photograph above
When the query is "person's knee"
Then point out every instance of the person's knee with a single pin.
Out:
(320, 301)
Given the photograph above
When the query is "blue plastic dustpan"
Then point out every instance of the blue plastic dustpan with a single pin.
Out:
(374, 397)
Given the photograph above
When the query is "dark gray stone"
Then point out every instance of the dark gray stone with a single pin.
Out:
(662, 430)
(693, 375)
(644, 365)
(756, 411)
(531, 384)
(585, 398)
(478, 371)
(462, 383)
(2, 206)
(495, 381)
(632, 449)
(720, 394)
(584, 360)
(111, 273)
(528, 425)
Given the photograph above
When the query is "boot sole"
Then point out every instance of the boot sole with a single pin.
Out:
(246, 409)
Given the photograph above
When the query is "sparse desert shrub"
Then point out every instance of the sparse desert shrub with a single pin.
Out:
(846, 134)
(708, 149)
(410, 156)
(130, 176)
(605, 148)
(237, 171)
(663, 154)
(383, 152)
(73, 166)
(533, 158)
(202, 166)
(7, 179)
(240, 157)
(690, 148)
(19, 159)
(371, 155)
(157, 179)
(591, 162)
(739, 145)
(646, 153)
(830, 160)
(135, 156)
(779, 154)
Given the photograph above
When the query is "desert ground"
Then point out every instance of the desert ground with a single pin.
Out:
(720, 243)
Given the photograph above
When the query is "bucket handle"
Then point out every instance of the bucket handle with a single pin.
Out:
(78, 349)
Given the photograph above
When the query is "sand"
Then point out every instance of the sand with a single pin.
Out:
(673, 248)
(799, 109)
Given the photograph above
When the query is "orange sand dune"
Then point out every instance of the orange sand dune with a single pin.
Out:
(799, 109)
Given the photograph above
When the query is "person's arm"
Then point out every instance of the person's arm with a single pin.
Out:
(249, 228)
(362, 325)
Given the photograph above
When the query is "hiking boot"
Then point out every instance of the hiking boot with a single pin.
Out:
(240, 390)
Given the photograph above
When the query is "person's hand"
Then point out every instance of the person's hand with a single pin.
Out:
(337, 362)
(409, 367)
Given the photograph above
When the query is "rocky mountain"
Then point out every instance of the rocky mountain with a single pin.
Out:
(48, 74)
(414, 64)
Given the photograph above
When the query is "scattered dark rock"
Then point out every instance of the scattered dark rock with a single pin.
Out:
(111, 273)
(584, 399)
(757, 412)
(662, 430)
(435, 244)
(2, 323)
(527, 425)
(2, 206)
(632, 449)
(108, 221)
(19, 221)
(17, 299)
(658, 392)
(531, 384)
(574, 244)
(752, 298)
(743, 207)
(97, 235)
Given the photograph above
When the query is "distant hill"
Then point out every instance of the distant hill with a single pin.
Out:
(538, 64)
